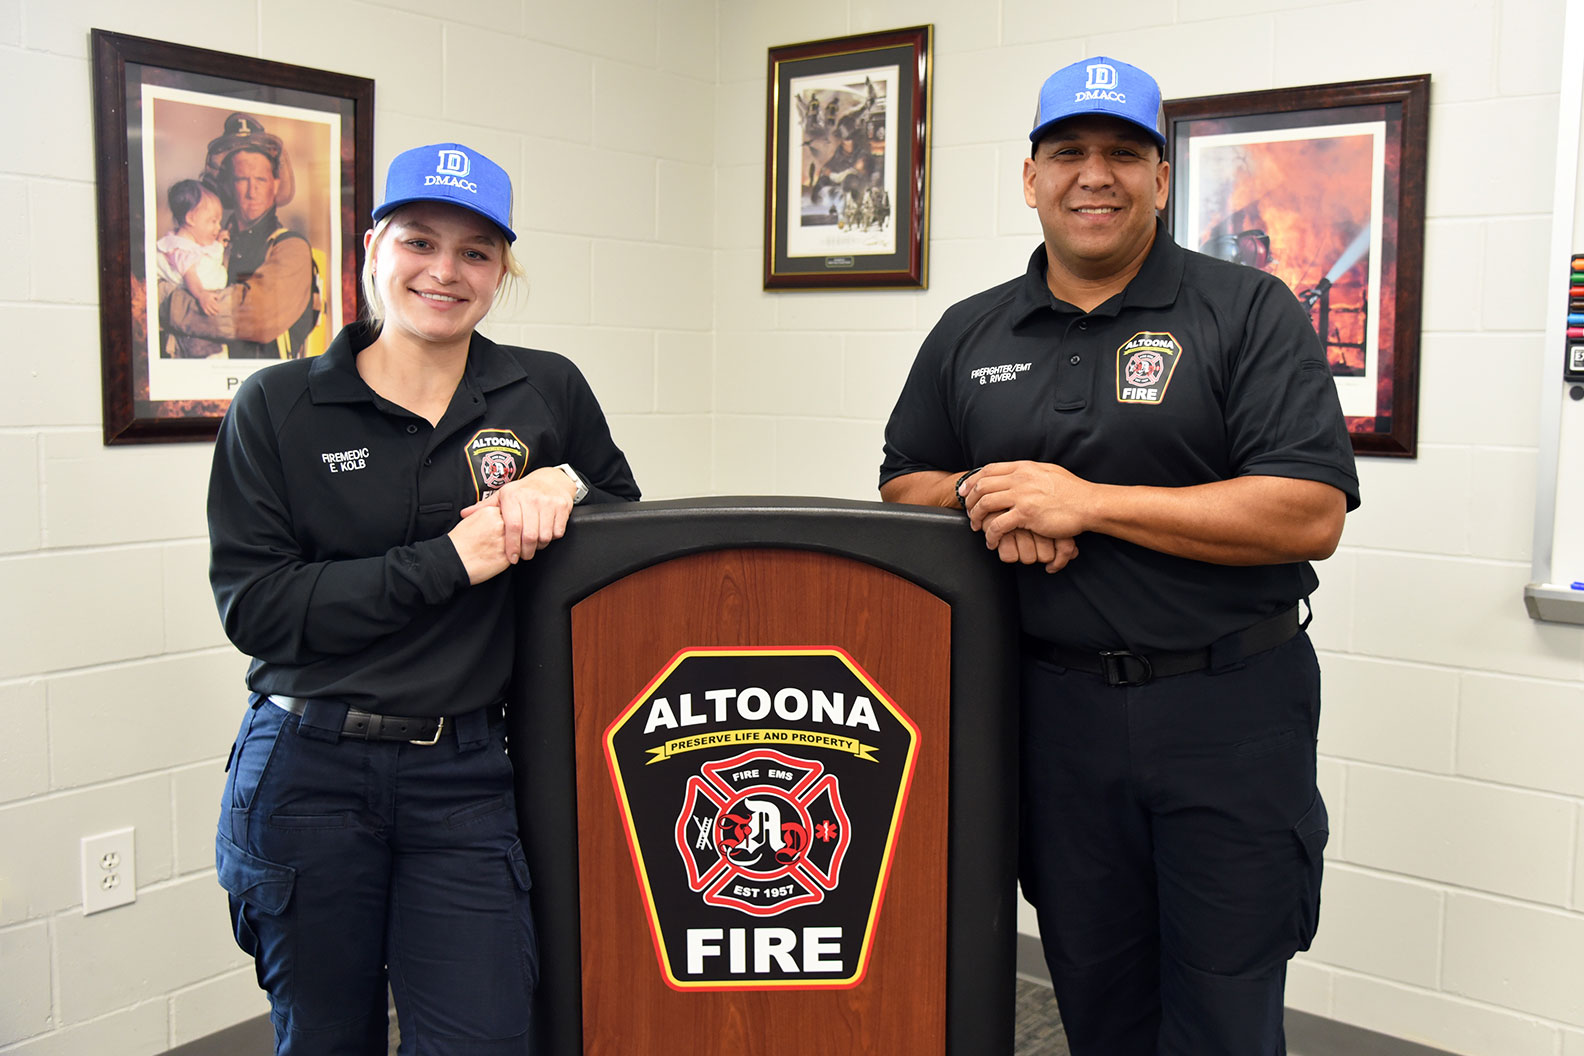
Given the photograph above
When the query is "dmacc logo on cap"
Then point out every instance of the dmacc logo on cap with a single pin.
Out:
(453, 166)
(1101, 75)
(1102, 84)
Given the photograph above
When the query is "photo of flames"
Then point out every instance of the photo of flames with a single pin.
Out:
(1301, 209)
(1322, 186)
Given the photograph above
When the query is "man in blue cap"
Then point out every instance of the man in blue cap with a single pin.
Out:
(1153, 437)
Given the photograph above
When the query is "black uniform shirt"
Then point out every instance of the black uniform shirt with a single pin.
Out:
(328, 513)
(1198, 371)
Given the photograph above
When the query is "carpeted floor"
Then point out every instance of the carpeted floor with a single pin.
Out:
(1037, 1027)
(1037, 1030)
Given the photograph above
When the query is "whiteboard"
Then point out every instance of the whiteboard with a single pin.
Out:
(1559, 493)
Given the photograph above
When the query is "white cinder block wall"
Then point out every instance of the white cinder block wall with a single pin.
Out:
(1453, 736)
(118, 693)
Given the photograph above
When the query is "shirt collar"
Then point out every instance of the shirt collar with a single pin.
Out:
(1155, 285)
(266, 224)
(333, 377)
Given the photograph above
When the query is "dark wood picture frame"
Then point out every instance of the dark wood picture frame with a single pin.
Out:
(1244, 203)
(819, 233)
(127, 71)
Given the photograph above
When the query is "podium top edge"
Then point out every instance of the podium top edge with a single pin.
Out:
(929, 545)
(749, 505)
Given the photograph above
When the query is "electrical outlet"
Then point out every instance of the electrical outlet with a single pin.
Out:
(109, 874)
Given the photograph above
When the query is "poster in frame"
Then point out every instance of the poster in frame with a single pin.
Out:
(1324, 187)
(847, 162)
(189, 306)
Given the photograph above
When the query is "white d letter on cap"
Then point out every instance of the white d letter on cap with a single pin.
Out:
(1101, 76)
(453, 163)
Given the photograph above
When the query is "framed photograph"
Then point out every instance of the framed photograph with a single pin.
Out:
(847, 162)
(232, 194)
(1323, 187)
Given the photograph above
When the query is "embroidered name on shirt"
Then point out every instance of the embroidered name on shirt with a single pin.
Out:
(1145, 363)
(1003, 372)
(345, 461)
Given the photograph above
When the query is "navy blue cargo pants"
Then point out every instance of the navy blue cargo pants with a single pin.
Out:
(351, 863)
(1171, 843)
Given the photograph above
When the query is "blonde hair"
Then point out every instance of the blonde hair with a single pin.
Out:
(374, 306)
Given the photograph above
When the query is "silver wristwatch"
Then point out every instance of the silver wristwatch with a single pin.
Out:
(575, 478)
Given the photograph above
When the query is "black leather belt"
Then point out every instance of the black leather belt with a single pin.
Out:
(1122, 667)
(370, 726)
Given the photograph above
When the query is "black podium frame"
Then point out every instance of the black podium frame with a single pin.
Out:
(930, 547)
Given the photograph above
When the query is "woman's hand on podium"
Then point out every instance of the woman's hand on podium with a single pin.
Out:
(533, 510)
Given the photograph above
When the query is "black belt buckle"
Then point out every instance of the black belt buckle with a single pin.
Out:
(1114, 666)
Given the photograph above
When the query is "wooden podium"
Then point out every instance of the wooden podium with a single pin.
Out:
(767, 784)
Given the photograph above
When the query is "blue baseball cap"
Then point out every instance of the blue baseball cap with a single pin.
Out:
(1101, 86)
(450, 172)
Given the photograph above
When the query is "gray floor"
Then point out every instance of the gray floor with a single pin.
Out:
(1036, 1031)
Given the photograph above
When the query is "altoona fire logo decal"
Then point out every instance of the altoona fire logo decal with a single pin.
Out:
(763, 832)
(762, 793)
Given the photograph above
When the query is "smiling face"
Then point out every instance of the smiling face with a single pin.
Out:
(202, 222)
(436, 268)
(1096, 182)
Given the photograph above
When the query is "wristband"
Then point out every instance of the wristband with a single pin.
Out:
(956, 488)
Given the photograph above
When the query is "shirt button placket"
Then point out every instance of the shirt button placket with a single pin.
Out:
(1072, 386)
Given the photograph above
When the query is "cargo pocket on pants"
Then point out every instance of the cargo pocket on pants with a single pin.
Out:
(253, 884)
(1311, 832)
(530, 939)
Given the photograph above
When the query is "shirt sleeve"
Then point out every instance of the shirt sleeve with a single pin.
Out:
(920, 434)
(180, 311)
(276, 294)
(590, 448)
(1284, 418)
(182, 257)
(275, 603)
(259, 308)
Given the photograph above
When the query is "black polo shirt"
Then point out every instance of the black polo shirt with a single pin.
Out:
(1198, 371)
(328, 513)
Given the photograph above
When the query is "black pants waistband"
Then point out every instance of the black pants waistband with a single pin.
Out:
(333, 720)
(1123, 667)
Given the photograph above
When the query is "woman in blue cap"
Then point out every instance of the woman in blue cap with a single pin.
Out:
(363, 508)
